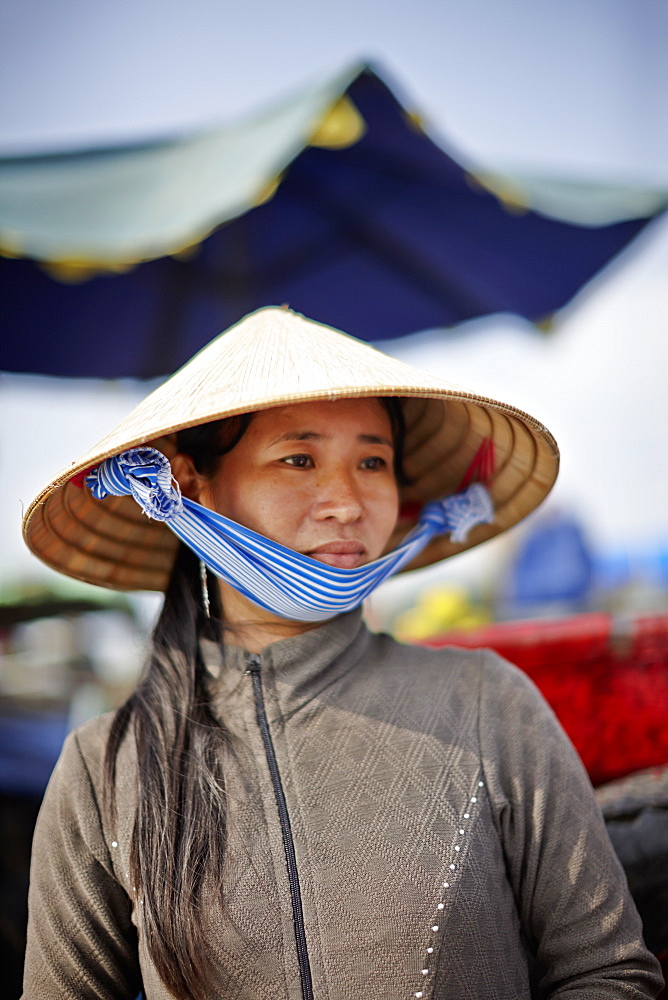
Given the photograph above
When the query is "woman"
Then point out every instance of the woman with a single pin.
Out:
(289, 806)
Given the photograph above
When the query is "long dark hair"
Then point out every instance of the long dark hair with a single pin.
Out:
(177, 855)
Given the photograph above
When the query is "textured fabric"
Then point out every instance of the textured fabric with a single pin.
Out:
(277, 578)
(444, 829)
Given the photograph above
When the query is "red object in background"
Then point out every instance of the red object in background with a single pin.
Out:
(606, 681)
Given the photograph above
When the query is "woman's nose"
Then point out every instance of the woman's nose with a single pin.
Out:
(338, 498)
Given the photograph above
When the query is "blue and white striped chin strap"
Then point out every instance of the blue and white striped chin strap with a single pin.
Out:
(285, 582)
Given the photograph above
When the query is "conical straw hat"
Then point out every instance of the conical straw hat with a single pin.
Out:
(273, 357)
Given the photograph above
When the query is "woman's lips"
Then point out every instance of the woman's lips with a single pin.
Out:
(344, 554)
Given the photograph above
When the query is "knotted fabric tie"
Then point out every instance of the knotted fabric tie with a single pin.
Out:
(279, 579)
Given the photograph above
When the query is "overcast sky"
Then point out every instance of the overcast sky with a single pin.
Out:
(577, 88)
(578, 85)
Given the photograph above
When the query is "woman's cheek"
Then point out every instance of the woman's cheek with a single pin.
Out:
(283, 504)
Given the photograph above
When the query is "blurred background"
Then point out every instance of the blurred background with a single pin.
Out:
(559, 110)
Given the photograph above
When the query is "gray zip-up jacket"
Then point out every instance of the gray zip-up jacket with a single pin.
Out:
(446, 840)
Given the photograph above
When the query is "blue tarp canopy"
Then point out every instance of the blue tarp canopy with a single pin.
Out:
(125, 261)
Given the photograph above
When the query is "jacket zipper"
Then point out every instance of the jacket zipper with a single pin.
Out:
(254, 664)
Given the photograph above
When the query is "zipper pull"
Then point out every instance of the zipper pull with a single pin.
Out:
(254, 663)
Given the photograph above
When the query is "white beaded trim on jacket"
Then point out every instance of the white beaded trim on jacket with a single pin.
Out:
(430, 950)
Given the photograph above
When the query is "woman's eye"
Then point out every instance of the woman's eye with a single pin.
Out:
(374, 462)
(298, 461)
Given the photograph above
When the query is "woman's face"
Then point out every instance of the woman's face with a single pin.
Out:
(316, 477)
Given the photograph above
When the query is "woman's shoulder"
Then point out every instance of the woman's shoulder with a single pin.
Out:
(433, 692)
(444, 663)
(90, 738)
(84, 749)
(450, 674)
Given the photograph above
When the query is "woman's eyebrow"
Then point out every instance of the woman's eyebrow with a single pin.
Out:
(296, 435)
(374, 439)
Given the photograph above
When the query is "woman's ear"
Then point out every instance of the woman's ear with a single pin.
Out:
(189, 479)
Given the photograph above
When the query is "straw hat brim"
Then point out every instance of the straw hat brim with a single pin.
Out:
(271, 358)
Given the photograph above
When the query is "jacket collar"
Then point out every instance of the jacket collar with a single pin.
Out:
(297, 667)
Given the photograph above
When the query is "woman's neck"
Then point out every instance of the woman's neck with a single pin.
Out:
(252, 627)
